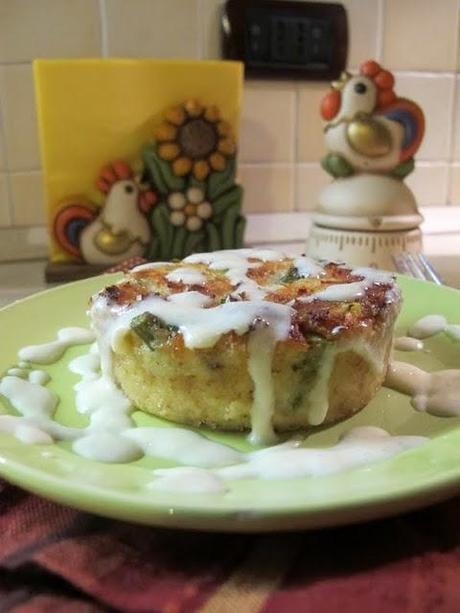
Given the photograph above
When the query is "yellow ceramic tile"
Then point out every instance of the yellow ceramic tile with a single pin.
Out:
(454, 189)
(363, 17)
(209, 24)
(268, 123)
(117, 123)
(310, 137)
(420, 34)
(20, 123)
(4, 204)
(434, 94)
(159, 28)
(429, 184)
(310, 180)
(267, 189)
(48, 28)
(27, 197)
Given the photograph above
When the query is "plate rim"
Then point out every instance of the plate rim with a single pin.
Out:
(207, 518)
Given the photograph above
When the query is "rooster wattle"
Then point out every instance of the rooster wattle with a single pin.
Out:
(370, 129)
(118, 230)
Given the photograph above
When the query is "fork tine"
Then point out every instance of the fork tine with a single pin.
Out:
(431, 272)
(416, 265)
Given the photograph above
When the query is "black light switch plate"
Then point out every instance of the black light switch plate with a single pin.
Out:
(286, 39)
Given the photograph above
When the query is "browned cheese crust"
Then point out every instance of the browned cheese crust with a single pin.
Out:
(212, 386)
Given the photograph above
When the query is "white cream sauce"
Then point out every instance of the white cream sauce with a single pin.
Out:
(261, 346)
(187, 480)
(111, 435)
(208, 465)
(24, 430)
(150, 266)
(40, 377)
(48, 353)
(18, 372)
(306, 267)
(182, 445)
(30, 399)
(359, 447)
(203, 327)
(107, 447)
(319, 394)
(428, 326)
(437, 393)
(408, 343)
(187, 276)
(192, 300)
(357, 289)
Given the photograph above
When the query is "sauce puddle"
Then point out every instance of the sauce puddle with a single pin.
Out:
(206, 466)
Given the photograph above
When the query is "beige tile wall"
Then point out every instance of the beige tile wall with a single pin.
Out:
(281, 141)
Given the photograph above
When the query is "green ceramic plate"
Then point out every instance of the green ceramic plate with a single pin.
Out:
(410, 480)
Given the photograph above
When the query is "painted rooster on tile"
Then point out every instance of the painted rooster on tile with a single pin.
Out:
(183, 199)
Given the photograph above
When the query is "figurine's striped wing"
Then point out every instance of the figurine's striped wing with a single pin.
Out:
(411, 117)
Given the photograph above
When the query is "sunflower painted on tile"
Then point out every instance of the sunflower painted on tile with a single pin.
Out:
(191, 163)
(178, 197)
(194, 139)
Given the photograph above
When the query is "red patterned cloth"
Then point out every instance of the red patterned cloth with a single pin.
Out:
(55, 559)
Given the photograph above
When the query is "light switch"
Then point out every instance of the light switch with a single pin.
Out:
(295, 40)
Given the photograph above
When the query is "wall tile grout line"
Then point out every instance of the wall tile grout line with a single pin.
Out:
(103, 28)
(200, 42)
(295, 145)
(380, 30)
(6, 169)
(451, 138)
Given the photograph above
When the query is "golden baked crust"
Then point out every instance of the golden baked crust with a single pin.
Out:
(330, 364)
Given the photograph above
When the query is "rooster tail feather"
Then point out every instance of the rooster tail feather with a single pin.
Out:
(68, 225)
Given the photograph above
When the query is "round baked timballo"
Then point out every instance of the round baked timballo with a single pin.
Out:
(248, 339)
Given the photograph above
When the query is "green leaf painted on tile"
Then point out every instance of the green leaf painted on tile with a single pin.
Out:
(220, 182)
(160, 172)
(214, 241)
(163, 230)
(232, 197)
(193, 182)
(195, 242)
(229, 227)
(153, 249)
(239, 231)
(178, 244)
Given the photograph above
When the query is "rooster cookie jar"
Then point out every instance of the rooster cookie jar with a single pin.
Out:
(367, 214)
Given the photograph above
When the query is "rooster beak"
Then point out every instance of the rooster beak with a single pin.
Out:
(344, 77)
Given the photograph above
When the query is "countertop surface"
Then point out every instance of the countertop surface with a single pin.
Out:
(21, 279)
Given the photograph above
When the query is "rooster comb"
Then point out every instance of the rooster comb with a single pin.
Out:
(112, 173)
(384, 81)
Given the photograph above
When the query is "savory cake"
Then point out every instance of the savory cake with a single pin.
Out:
(247, 339)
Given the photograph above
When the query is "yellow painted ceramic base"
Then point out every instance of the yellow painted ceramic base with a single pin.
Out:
(94, 111)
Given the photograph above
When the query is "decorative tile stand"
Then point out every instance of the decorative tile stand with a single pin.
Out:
(139, 160)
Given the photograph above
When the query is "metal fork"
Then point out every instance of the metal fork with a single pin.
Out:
(417, 265)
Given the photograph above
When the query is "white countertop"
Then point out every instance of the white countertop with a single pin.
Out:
(284, 231)
(21, 279)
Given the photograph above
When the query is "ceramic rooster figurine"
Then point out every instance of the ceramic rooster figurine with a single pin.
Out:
(367, 213)
(117, 231)
(368, 127)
